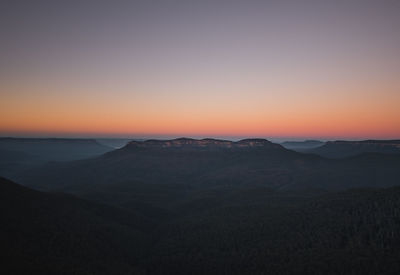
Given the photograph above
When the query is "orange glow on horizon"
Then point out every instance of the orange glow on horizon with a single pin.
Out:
(344, 110)
(332, 118)
(301, 122)
(248, 69)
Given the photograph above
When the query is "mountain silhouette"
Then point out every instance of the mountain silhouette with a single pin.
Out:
(19, 154)
(55, 149)
(342, 149)
(208, 162)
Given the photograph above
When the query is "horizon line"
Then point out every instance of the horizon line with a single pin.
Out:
(200, 137)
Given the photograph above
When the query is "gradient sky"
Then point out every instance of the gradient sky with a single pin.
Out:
(299, 69)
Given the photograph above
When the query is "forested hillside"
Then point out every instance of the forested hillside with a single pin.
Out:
(246, 230)
(43, 233)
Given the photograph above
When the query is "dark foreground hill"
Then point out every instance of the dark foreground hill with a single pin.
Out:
(43, 233)
(217, 230)
(342, 149)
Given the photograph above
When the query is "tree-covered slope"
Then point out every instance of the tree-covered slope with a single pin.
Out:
(44, 233)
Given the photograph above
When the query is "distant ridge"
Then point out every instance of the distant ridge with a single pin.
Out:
(369, 141)
(302, 146)
(343, 148)
(54, 149)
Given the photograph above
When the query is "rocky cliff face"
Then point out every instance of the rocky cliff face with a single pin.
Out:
(206, 143)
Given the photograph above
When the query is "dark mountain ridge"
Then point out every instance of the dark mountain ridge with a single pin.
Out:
(183, 161)
(19, 154)
(195, 163)
(342, 149)
(55, 149)
(371, 141)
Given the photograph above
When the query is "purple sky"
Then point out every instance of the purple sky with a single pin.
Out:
(141, 65)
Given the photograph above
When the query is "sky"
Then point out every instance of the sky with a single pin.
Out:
(275, 69)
